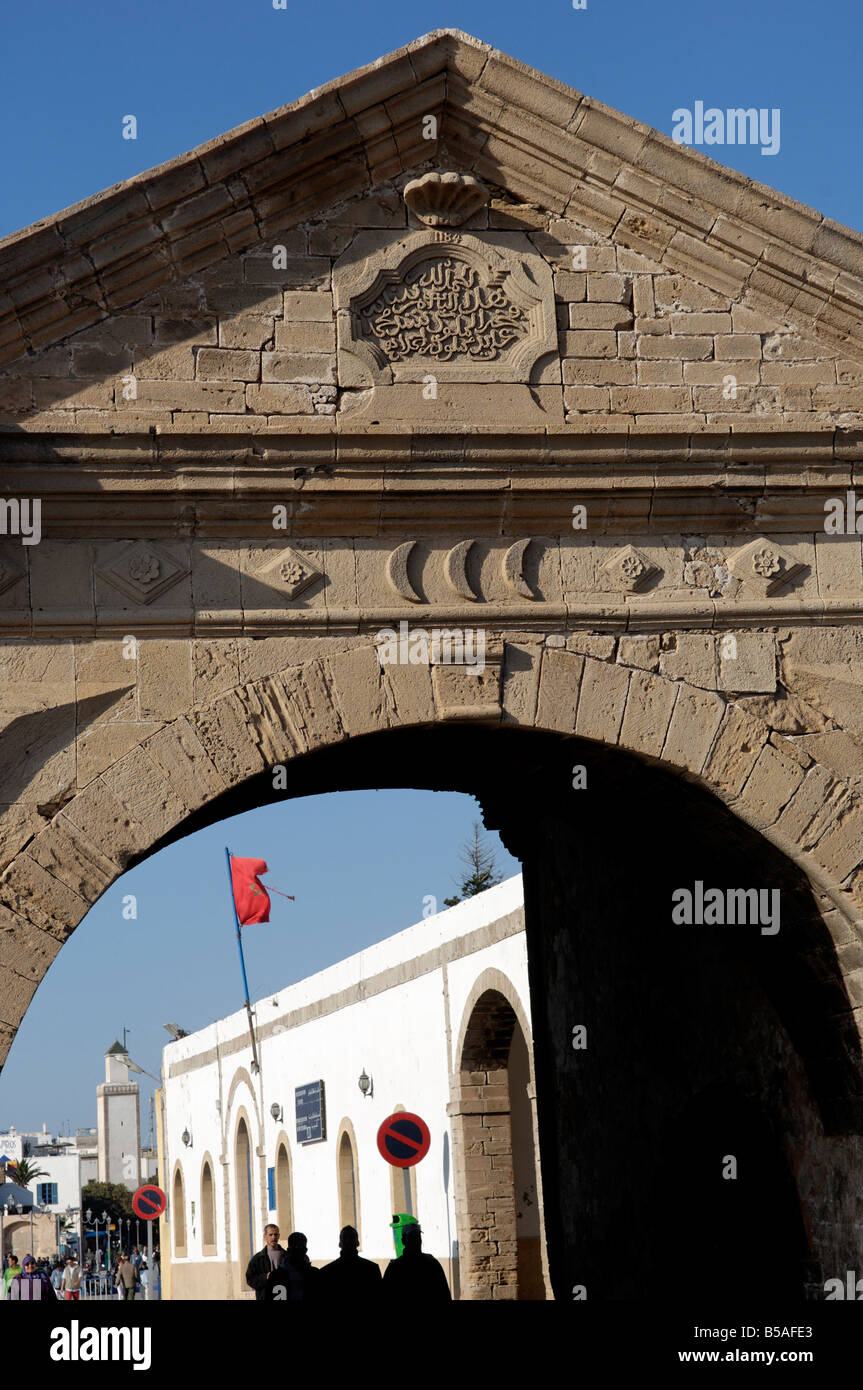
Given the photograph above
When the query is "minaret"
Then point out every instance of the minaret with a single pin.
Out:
(118, 1121)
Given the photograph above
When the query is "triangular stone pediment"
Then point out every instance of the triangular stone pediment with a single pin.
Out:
(594, 275)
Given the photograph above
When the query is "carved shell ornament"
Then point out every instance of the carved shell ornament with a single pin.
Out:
(445, 200)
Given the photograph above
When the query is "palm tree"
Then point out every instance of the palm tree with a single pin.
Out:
(26, 1172)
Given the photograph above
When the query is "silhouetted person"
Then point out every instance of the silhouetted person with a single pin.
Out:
(350, 1278)
(297, 1280)
(264, 1264)
(415, 1277)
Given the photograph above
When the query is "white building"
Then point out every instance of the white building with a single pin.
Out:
(60, 1185)
(435, 1021)
(119, 1121)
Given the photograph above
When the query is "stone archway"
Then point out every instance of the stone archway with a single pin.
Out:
(328, 708)
(495, 1148)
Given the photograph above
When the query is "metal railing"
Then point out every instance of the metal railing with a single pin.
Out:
(97, 1286)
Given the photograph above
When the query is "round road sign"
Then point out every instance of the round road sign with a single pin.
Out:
(149, 1202)
(403, 1139)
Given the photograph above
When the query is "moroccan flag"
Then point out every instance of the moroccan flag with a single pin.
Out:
(251, 898)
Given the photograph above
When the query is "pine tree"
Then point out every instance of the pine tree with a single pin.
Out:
(479, 860)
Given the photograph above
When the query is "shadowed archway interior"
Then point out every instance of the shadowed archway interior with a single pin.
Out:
(669, 1011)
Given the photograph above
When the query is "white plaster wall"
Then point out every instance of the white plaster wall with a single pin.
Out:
(65, 1171)
(398, 1036)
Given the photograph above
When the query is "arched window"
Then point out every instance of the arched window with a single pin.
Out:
(403, 1186)
(243, 1173)
(284, 1199)
(178, 1213)
(349, 1185)
(208, 1209)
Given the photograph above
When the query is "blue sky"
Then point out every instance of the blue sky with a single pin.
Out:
(190, 70)
(360, 865)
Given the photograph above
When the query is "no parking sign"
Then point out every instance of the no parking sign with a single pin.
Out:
(149, 1202)
(403, 1139)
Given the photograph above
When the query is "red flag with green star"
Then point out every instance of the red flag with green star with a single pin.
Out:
(251, 898)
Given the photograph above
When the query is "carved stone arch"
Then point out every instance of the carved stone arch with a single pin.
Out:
(209, 1227)
(49, 885)
(801, 807)
(348, 1177)
(492, 979)
(177, 1211)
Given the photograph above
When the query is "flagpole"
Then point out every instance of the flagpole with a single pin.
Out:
(255, 1063)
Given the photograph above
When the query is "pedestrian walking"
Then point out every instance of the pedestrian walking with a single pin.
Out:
(126, 1277)
(56, 1277)
(31, 1283)
(296, 1280)
(71, 1282)
(350, 1279)
(414, 1277)
(265, 1263)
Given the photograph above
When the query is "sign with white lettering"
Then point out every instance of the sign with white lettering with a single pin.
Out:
(310, 1112)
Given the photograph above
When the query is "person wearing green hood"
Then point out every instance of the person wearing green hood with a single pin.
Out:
(12, 1269)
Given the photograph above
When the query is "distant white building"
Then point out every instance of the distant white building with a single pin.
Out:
(119, 1122)
(434, 1021)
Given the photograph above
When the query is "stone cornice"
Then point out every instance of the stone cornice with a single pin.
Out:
(605, 614)
(510, 125)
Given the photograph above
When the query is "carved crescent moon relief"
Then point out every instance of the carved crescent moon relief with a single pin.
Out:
(397, 573)
(513, 570)
(455, 569)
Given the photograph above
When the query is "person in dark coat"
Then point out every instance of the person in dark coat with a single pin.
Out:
(414, 1277)
(297, 1280)
(350, 1279)
(264, 1264)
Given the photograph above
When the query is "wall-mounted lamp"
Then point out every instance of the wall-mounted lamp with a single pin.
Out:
(277, 1112)
(366, 1085)
(186, 1138)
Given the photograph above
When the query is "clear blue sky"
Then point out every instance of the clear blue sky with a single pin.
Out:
(191, 69)
(360, 865)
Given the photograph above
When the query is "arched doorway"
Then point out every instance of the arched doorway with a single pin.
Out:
(208, 1209)
(178, 1213)
(284, 1190)
(771, 1015)
(348, 1179)
(243, 1180)
(501, 1236)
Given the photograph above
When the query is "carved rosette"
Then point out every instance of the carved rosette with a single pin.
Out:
(286, 569)
(446, 304)
(764, 567)
(142, 570)
(629, 569)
